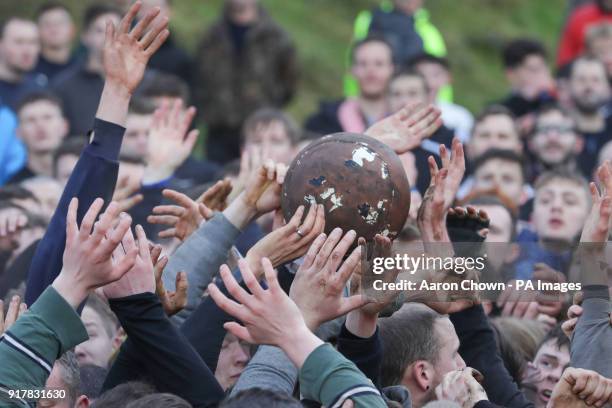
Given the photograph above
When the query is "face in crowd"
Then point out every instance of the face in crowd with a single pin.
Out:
(272, 140)
(56, 28)
(19, 46)
(42, 126)
(505, 175)
(373, 68)
(554, 140)
(588, 85)
(233, 358)
(550, 360)
(93, 36)
(103, 339)
(496, 131)
(407, 89)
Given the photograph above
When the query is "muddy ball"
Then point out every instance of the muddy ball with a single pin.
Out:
(359, 180)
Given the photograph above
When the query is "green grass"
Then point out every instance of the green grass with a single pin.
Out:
(474, 31)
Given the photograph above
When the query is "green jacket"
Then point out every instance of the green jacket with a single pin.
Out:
(30, 347)
(331, 379)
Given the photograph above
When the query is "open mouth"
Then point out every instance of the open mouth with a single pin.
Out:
(545, 395)
(555, 223)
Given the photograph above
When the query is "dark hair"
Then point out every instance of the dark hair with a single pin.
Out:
(372, 38)
(411, 72)
(556, 334)
(141, 106)
(407, 336)
(50, 6)
(493, 110)
(516, 51)
(500, 154)
(72, 146)
(424, 57)
(260, 398)
(168, 85)
(96, 10)
(266, 116)
(159, 400)
(562, 173)
(38, 96)
(123, 394)
(14, 192)
(92, 380)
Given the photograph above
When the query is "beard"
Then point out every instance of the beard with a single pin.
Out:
(588, 105)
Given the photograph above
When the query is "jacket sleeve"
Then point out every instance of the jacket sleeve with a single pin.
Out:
(200, 256)
(329, 378)
(479, 350)
(591, 346)
(366, 353)
(166, 356)
(30, 347)
(94, 175)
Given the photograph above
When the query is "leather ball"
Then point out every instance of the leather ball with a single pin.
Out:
(359, 180)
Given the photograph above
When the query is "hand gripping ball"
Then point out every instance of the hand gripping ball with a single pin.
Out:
(359, 180)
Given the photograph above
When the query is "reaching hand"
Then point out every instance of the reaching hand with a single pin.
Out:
(15, 310)
(579, 386)
(139, 279)
(318, 285)
(407, 128)
(251, 159)
(127, 51)
(125, 195)
(461, 387)
(597, 225)
(87, 257)
(173, 302)
(215, 198)
(455, 164)
(431, 218)
(11, 220)
(263, 191)
(288, 242)
(183, 219)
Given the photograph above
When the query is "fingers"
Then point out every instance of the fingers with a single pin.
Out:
(233, 287)
(109, 32)
(106, 222)
(90, 218)
(433, 169)
(72, 229)
(328, 246)
(180, 295)
(271, 276)
(158, 271)
(144, 23)
(314, 249)
(205, 212)
(157, 42)
(12, 313)
(128, 242)
(128, 203)
(143, 244)
(249, 279)
(348, 266)
(174, 210)
(340, 250)
(295, 220)
(115, 237)
(181, 199)
(126, 21)
(226, 304)
(239, 331)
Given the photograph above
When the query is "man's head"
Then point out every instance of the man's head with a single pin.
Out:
(599, 44)
(94, 27)
(55, 25)
(102, 329)
(407, 87)
(552, 357)
(123, 394)
(42, 125)
(159, 400)
(554, 141)
(165, 87)
(233, 358)
(92, 381)
(435, 70)
(503, 170)
(493, 128)
(66, 157)
(242, 12)
(588, 85)
(65, 376)
(408, 6)
(47, 191)
(372, 66)
(136, 140)
(272, 131)
(421, 346)
(526, 68)
(19, 45)
(561, 205)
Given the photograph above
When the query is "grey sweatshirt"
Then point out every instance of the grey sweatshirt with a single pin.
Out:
(200, 256)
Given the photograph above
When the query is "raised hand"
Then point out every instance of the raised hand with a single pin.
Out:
(461, 387)
(288, 242)
(15, 309)
(127, 50)
(183, 219)
(431, 218)
(597, 224)
(11, 220)
(173, 302)
(578, 387)
(455, 164)
(318, 285)
(216, 196)
(87, 262)
(139, 278)
(407, 128)
(125, 195)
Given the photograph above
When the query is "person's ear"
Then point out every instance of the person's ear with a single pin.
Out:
(82, 402)
(118, 339)
(423, 375)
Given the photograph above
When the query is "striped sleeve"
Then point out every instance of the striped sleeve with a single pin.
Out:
(331, 379)
(39, 337)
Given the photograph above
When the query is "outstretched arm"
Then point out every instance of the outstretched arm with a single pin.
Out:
(126, 53)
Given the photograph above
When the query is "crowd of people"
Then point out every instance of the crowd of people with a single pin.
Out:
(136, 275)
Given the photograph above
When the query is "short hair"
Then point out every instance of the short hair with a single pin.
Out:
(101, 308)
(260, 398)
(96, 10)
(556, 334)
(410, 72)
(494, 110)
(123, 394)
(494, 197)
(70, 375)
(141, 106)
(562, 174)
(371, 38)
(424, 57)
(500, 154)
(50, 6)
(92, 380)
(596, 32)
(168, 85)
(516, 51)
(265, 117)
(407, 336)
(159, 400)
(14, 192)
(72, 146)
(552, 107)
(588, 60)
(38, 96)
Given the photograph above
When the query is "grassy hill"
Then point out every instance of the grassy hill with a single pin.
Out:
(474, 31)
